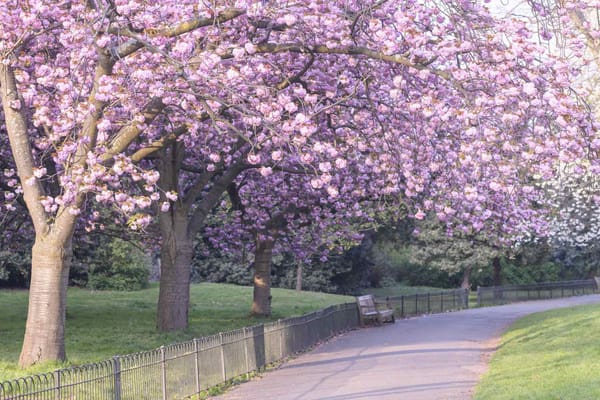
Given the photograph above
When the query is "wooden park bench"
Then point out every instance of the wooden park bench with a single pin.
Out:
(369, 310)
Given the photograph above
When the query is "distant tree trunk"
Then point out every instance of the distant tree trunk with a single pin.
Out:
(466, 280)
(299, 277)
(261, 303)
(497, 271)
(45, 328)
(176, 255)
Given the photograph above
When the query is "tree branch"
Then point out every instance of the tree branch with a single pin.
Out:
(135, 44)
(347, 50)
(130, 132)
(157, 145)
(16, 125)
(213, 196)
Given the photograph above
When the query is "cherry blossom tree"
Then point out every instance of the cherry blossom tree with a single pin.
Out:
(450, 109)
(466, 110)
(71, 110)
(282, 213)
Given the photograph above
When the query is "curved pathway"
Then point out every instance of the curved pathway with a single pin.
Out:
(438, 356)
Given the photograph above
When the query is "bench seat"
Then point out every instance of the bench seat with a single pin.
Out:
(369, 311)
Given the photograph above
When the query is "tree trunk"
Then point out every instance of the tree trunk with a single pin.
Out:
(45, 329)
(175, 260)
(497, 271)
(299, 277)
(261, 303)
(466, 281)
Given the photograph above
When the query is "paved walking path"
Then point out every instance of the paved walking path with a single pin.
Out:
(433, 357)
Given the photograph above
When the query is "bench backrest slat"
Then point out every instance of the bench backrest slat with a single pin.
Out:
(367, 304)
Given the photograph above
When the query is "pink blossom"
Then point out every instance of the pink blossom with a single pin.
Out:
(325, 166)
(332, 191)
(341, 163)
(39, 172)
(171, 195)
(265, 171)
(316, 183)
(253, 159)
(419, 215)
(277, 155)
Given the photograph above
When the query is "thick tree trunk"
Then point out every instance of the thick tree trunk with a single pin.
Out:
(176, 259)
(261, 303)
(299, 277)
(466, 280)
(45, 329)
(497, 271)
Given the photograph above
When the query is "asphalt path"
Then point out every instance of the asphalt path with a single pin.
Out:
(438, 356)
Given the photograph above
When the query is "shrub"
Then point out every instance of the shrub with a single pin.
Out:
(126, 267)
(15, 269)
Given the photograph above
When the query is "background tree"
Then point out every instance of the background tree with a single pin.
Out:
(460, 253)
(274, 213)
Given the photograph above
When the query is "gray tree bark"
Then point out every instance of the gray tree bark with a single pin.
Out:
(177, 251)
(466, 280)
(45, 329)
(497, 271)
(261, 303)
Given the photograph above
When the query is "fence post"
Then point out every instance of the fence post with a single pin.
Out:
(246, 350)
(163, 371)
(428, 303)
(197, 366)
(466, 302)
(58, 385)
(280, 339)
(441, 301)
(402, 306)
(454, 300)
(416, 303)
(117, 377)
(479, 296)
(223, 369)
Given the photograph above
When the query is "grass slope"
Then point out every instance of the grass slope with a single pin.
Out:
(401, 290)
(546, 356)
(103, 324)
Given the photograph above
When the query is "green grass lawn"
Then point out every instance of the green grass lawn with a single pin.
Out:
(546, 356)
(101, 324)
(401, 290)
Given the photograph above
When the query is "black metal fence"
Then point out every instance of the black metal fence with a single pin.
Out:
(495, 295)
(182, 370)
(427, 303)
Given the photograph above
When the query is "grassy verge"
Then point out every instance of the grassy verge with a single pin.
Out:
(551, 355)
(103, 324)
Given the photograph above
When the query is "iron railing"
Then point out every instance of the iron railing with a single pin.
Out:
(548, 290)
(427, 303)
(182, 370)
